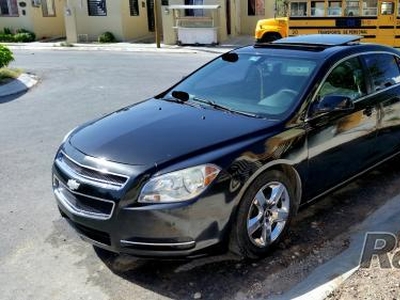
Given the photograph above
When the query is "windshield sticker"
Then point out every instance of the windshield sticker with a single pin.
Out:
(254, 58)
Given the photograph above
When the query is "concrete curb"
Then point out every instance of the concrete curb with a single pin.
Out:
(21, 84)
(329, 276)
(122, 47)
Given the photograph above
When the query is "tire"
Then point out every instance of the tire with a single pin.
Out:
(261, 221)
(270, 37)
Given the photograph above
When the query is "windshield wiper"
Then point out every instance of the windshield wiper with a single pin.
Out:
(215, 105)
(183, 97)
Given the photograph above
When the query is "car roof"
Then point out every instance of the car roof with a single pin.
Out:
(317, 46)
(320, 39)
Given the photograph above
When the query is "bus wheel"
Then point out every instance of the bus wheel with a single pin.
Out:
(270, 37)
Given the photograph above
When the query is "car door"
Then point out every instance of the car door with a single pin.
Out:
(340, 143)
(385, 88)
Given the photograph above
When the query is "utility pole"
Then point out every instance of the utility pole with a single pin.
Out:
(156, 22)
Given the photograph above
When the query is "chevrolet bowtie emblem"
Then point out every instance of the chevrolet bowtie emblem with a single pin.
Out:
(73, 184)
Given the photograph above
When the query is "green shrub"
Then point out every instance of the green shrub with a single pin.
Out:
(6, 56)
(5, 37)
(24, 37)
(106, 37)
(7, 30)
(22, 30)
(21, 35)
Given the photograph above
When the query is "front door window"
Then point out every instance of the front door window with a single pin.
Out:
(346, 79)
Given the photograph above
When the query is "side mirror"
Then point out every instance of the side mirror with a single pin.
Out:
(333, 103)
(230, 57)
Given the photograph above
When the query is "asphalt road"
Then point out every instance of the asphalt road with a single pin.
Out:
(35, 263)
(42, 258)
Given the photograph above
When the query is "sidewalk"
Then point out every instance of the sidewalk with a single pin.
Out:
(232, 43)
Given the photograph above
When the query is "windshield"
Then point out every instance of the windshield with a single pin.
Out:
(260, 85)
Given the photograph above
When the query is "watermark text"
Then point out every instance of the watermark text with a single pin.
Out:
(380, 246)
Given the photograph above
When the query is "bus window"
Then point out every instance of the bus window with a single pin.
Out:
(335, 8)
(387, 8)
(317, 9)
(398, 9)
(352, 8)
(370, 8)
(298, 9)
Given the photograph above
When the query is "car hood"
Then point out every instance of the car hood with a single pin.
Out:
(155, 131)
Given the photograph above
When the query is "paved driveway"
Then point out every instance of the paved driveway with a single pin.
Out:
(41, 257)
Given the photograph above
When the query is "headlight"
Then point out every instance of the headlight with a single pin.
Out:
(180, 185)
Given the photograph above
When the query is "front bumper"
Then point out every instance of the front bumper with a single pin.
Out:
(111, 218)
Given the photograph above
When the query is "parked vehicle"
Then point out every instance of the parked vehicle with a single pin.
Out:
(372, 19)
(271, 29)
(226, 156)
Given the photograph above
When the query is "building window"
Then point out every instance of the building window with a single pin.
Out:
(298, 9)
(194, 12)
(8, 8)
(97, 8)
(48, 8)
(255, 7)
(134, 7)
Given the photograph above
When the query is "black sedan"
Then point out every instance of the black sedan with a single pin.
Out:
(227, 156)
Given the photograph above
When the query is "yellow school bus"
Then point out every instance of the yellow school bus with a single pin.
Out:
(378, 21)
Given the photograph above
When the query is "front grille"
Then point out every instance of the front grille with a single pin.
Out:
(81, 204)
(91, 175)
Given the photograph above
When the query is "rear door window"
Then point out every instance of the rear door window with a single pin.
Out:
(384, 70)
